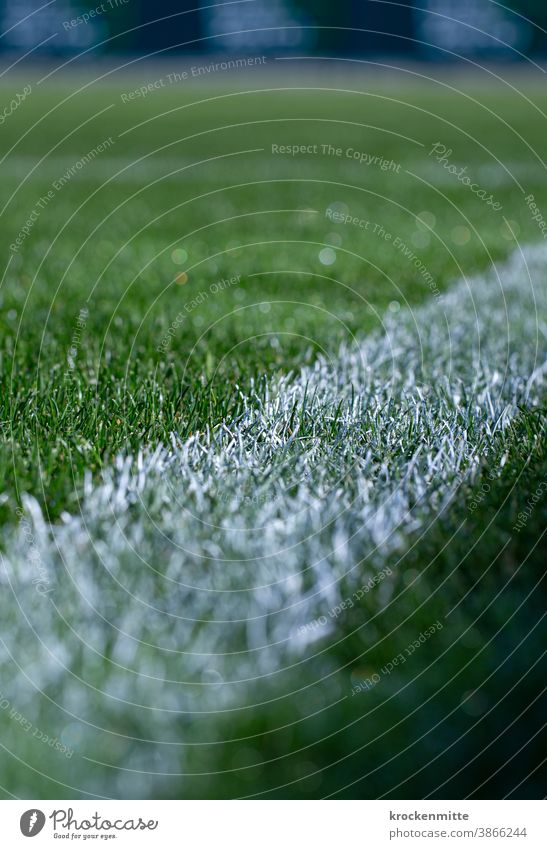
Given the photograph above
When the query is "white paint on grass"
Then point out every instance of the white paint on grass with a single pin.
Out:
(182, 586)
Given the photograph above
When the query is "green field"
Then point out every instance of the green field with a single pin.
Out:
(208, 444)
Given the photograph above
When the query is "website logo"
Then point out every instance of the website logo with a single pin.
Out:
(32, 822)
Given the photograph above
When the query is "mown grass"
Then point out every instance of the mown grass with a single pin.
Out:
(105, 243)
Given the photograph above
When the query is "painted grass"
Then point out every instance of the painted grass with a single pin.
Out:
(310, 433)
(105, 243)
(201, 587)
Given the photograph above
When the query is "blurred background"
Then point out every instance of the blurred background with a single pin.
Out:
(425, 30)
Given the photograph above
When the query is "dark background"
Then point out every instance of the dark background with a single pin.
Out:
(435, 30)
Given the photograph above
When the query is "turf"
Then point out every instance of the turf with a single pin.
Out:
(270, 403)
(105, 244)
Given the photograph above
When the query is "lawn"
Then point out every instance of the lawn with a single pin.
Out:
(271, 408)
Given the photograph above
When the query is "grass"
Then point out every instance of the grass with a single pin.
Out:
(105, 243)
(261, 413)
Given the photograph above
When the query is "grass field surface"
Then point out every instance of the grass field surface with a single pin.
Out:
(272, 362)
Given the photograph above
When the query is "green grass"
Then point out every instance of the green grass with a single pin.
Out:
(105, 242)
(180, 178)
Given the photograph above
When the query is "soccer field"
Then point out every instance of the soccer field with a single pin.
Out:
(272, 359)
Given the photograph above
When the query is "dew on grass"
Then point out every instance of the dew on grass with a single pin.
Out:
(425, 220)
(179, 256)
(327, 256)
(338, 207)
